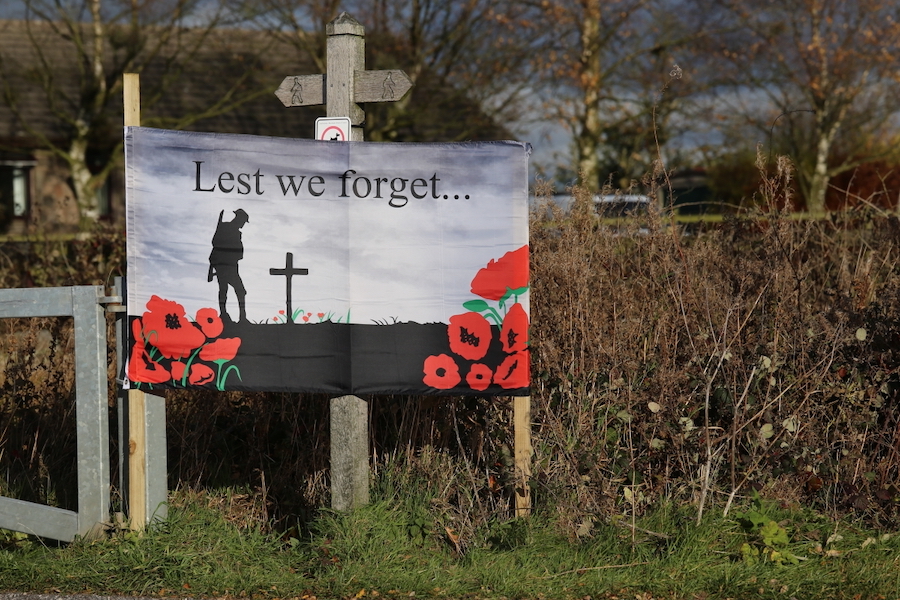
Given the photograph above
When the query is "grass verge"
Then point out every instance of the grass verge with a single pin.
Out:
(400, 549)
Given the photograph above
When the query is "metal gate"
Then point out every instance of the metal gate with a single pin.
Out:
(84, 304)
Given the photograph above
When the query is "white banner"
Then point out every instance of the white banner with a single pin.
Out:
(253, 231)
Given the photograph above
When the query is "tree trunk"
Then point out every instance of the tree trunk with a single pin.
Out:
(590, 127)
(84, 184)
(818, 184)
(828, 121)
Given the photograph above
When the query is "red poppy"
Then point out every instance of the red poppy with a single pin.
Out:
(479, 377)
(210, 322)
(510, 272)
(141, 368)
(514, 333)
(177, 368)
(470, 335)
(201, 374)
(222, 349)
(441, 372)
(513, 372)
(166, 327)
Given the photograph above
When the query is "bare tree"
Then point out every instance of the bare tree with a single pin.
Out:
(819, 78)
(72, 62)
(468, 60)
(607, 69)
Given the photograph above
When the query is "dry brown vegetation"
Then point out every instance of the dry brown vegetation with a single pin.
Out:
(669, 364)
(759, 353)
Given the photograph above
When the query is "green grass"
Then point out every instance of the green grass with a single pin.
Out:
(392, 549)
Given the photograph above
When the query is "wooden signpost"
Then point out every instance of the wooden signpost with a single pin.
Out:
(368, 86)
(347, 84)
(342, 89)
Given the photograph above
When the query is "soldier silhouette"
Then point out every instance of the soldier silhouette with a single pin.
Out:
(223, 261)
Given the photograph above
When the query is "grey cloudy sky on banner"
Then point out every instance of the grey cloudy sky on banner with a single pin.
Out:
(413, 262)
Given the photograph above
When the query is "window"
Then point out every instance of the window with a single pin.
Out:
(19, 191)
(14, 189)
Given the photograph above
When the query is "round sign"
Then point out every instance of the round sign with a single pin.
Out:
(333, 133)
(333, 129)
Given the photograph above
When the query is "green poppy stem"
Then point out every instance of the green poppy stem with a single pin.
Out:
(492, 313)
(187, 367)
(221, 377)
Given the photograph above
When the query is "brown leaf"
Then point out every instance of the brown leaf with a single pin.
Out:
(813, 483)
(453, 538)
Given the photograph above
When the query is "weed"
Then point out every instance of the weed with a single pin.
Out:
(768, 540)
(12, 540)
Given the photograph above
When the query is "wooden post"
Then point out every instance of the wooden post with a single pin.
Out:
(144, 476)
(349, 452)
(523, 452)
(342, 89)
(345, 55)
(137, 459)
(131, 90)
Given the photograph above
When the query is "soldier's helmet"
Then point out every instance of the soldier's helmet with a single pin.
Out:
(241, 215)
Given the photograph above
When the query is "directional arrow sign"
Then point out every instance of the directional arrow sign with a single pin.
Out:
(302, 90)
(380, 86)
(368, 86)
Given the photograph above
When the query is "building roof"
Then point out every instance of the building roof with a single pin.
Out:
(226, 64)
(173, 91)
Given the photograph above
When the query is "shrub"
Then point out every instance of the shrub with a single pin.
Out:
(686, 365)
